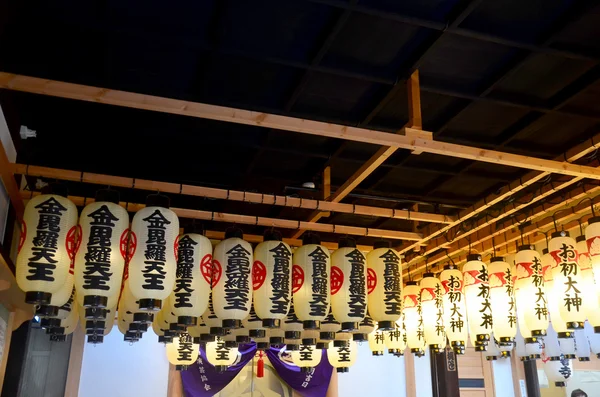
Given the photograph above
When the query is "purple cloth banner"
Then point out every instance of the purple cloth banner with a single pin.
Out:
(201, 379)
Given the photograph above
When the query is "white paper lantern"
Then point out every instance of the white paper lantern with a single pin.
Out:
(342, 357)
(307, 357)
(493, 351)
(455, 311)
(348, 285)
(232, 293)
(272, 279)
(292, 326)
(366, 327)
(254, 325)
(529, 290)
(551, 345)
(588, 284)
(183, 352)
(502, 299)
(477, 297)
(192, 286)
(558, 372)
(47, 246)
(219, 355)
(592, 235)
(153, 266)
(211, 320)
(311, 275)
(413, 320)
(58, 298)
(567, 279)
(377, 342)
(329, 327)
(432, 309)
(384, 285)
(100, 260)
(396, 340)
(582, 346)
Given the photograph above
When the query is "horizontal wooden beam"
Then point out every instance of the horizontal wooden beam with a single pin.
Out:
(272, 222)
(225, 194)
(267, 120)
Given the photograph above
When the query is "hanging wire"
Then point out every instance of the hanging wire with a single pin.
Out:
(494, 246)
(451, 260)
(426, 263)
(591, 204)
(554, 217)
(545, 235)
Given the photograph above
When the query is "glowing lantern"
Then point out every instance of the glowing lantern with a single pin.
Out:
(477, 297)
(271, 279)
(262, 343)
(67, 325)
(520, 347)
(100, 260)
(232, 295)
(293, 328)
(311, 272)
(348, 285)
(432, 309)
(343, 357)
(183, 352)
(153, 265)
(309, 337)
(551, 345)
(201, 332)
(529, 290)
(592, 235)
(219, 355)
(413, 320)
(588, 285)
(377, 342)
(307, 357)
(366, 327)
(58, 298)
(558, 372)
(276, 336)
(567, 279)
(396, 340)
(160, 328)
(193, 278)
(455, 312)
(493, 351)
(329, 327)
(47, 246)
(502, 299)
(384, 285)
(254, 325)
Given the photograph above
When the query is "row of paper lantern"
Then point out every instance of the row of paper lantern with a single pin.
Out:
(471, 303)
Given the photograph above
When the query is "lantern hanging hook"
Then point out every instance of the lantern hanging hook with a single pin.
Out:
(591, 204)
(580, 227)
(494, 245)
(426, 263)
(451, 260)
(554, 217)
(545, 236)
(521, 227)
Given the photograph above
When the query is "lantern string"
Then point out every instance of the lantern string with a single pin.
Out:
(494, 245)
(580, 227)
(545, 235)
(591, 204)
(451, 260)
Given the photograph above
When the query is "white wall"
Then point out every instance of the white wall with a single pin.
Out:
(117, 369)
(374, 376)
(423, 375)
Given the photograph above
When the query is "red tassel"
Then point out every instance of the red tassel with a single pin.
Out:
(260, 368)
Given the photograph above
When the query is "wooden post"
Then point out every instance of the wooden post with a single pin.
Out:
(175, 386)
(326, 187)
(409, 369)
(75, 363)
(531, 379)
(444, 374)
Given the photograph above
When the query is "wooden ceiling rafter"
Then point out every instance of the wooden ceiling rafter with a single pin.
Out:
(224, 194)
(412, 139)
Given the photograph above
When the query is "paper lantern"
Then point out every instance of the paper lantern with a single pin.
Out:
(413, 319)
(58, 298)
(161, 329)
(529, 290)
(100, 259)
(558, 372)
(588, 284)
(366, 327)
(567, 279)
(477, 297)
(47, 246)
(348, 285)
(311, 271)
(276, 336)
(253, 324)
(520, 347)
(329, 327)
(307, 357)
(193, 278)
(377, 342)
(593, 339)
(232, 295)
(502, 299)
(292, 326)
(211, 320)
(432, 309)
(592, 235)
(183, 352)
(396, 340)
(455, 311)
(343, 357)
(384, 285)
(200, 332)
(153, 265)
(272, 279)
(493, 351)
(551, 345)
(67, 326)
(219, 355)
(309, 336)
(582, 346)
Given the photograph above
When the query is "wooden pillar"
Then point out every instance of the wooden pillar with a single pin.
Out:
(175, 385)
(444, 374)
(75, 363)
(531, 379)
(409, 370)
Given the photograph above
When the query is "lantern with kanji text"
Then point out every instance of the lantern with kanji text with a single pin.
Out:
(306, 357)
(477, 297)
(432, 309)
(455, 312)
(219, 355)
(529, 290)
(502, 299)
(342, 357)
(377, 342)
(384, 285)
(183, 352)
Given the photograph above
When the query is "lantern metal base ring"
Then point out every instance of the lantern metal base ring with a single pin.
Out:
(38, 298)
(386, 326)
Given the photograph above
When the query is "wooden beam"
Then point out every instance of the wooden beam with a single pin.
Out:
(280, 223)
(10, 184)
(327, 183)
(267, 120)
(413, 90)
(224, 194)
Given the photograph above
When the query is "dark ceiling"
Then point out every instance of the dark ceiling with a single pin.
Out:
(513, 75)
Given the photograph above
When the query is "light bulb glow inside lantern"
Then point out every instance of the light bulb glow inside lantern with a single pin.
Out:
(432, 310)
(342, 357)
(529, 291)
(413, 319)
(377, 342)
(384, 285)
(183, 352)
(307, 357)
(219, 355)
(588, 284)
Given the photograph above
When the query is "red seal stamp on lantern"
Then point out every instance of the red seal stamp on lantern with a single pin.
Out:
(371, 280)
(297, 278)
(259, 274)
(337, 279)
